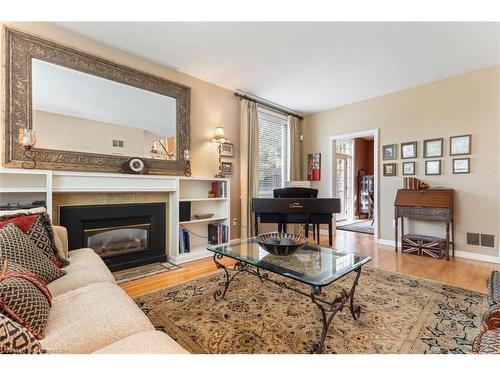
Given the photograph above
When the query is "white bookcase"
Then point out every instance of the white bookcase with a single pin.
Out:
(195, 190)
(26, 185)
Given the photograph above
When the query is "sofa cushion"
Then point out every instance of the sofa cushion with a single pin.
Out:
(61, 241)
(39, 229)
(18, 248)
(15, 339)
(148, 342)
(24, 298)
(92, 317)
(86, 267)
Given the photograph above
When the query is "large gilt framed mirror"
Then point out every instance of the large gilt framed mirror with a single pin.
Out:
(90, 114)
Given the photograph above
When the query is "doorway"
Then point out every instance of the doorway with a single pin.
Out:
(354, 181)
(343, 178)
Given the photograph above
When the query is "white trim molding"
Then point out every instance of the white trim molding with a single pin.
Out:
(458, 253)
(375, 134)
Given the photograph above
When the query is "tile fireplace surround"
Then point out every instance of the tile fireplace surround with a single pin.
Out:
(63, 188)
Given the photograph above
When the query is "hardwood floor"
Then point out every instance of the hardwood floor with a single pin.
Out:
(464, 273)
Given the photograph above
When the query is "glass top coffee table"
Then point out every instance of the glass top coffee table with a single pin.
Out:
(315, 267)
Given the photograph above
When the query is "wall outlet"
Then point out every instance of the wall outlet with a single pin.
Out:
(235, 221)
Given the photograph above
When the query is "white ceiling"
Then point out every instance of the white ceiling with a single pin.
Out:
(99, 99)
(307, 66)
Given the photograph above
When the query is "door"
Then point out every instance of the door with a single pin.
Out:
(341, 185)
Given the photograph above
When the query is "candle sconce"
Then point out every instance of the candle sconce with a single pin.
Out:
(27, 139)
(187, 163)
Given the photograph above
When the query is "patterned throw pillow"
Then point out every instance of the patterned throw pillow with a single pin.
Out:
(494, 288)
(15, 339)
(40, 231)
(17, 247)
(25, 298)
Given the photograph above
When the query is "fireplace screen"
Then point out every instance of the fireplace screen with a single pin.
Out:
(109, 242)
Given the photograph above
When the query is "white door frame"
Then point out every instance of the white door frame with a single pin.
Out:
(333, 161)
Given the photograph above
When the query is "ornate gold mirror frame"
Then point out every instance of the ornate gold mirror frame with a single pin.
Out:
(21, 48)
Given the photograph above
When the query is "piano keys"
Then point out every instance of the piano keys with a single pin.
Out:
(283, 211)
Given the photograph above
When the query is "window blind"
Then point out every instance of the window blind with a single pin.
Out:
(272, 151)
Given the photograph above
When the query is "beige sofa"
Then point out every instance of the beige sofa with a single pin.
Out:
(91, 314)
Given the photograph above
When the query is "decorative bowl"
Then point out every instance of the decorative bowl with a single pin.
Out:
(281, 243)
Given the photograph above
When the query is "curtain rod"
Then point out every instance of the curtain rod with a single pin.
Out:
(252, 99)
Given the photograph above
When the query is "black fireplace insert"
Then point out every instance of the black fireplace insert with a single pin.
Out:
(124, 235)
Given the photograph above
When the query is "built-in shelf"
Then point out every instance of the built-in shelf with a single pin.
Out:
(23, 190)
(201, 199)
(203, 220)
(195, 253)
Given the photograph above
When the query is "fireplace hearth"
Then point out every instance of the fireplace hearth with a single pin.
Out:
(123, 235)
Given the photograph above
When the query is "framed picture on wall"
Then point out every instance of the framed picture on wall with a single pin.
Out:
(409, 168)
(226, 167)
(460, 145)
(461, 166)
(433, 148)
(314, 166)
(389, 152)
(390, 169)
(433, 167)
(409, 150)
(227, 149)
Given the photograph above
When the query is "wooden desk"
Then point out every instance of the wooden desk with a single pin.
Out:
(431, 205)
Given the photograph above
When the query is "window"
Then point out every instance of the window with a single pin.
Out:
(272, 151)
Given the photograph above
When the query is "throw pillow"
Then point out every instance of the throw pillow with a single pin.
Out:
(16, 246)
(25, 298)
(39, 228)
(15, 339)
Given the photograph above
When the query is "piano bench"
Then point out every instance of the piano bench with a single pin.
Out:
(434, 247)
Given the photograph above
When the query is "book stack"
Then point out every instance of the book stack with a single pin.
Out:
(184, 241)
(411, 183)
(217, 233)
(218, 189)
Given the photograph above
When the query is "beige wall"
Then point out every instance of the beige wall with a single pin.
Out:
(465, 104)
(60, 132)
(211, 105)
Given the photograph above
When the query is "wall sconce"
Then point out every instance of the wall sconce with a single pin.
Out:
(187, 163)
(27, 139)
(219, 138)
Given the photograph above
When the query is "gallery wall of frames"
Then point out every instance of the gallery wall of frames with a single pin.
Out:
(434, 154)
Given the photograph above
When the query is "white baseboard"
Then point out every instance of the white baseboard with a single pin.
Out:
(476, 256)
(381, 241)
(458, 253)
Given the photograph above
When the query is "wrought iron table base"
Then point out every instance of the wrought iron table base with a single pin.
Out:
(328, 309)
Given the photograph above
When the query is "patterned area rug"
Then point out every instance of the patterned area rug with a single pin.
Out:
(399, 314)
(359, 227)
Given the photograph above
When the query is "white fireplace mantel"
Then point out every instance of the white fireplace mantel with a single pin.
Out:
(180, 188)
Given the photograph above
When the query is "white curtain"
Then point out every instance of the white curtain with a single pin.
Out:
(249, 156)
(293, 149)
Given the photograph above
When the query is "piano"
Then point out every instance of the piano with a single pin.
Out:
(427, 205)
(303, 209)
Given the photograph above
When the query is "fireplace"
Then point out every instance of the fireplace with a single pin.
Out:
(123, 235)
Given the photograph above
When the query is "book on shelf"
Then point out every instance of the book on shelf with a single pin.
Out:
(218, 189)
(411, 183)
(184, 241)
(217, 233)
